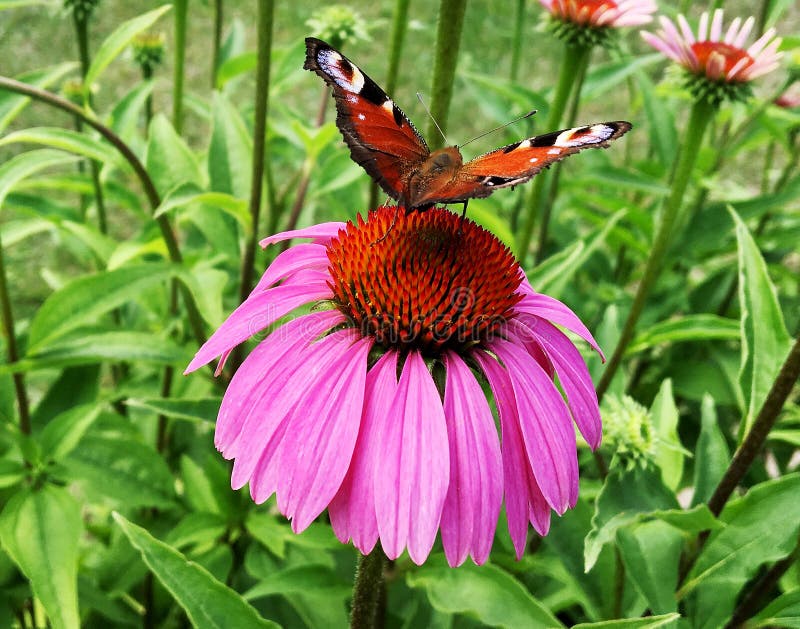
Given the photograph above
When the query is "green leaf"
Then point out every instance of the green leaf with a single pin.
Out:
(206, 601)
(18, 168)
(89, 347)
(11, 472)
(170, 162)
(607, 76)
(207, 487)
(189, 194)
(559, 276)
(670, 453)
(40, 530)
(711, 456)
(486, 593)
(197, 528)
(315, 578)
(784, 611)
(126, 113)
(69, 141)
(698, 327)
(761, 527)
(230, 152)
(118, 40)
(233, 67)
(625, 495)
(18, 4)
(62, 434)
(200, 410)
(765, 341)
(651, 552)
(123, 469)
(11, 103)
(86, 298)
(631, 623)
(660, 121)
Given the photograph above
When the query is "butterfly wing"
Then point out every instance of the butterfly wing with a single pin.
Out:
(380, 136)
(517, 163)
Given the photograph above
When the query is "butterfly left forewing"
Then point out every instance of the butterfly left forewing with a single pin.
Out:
(516, 163)
(380, 136)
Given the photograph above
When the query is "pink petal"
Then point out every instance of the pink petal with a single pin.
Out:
(249, 381)
(321, 435)
(256, 313)
(352, 510)
(273, 407)
(473, 501)
(556, 312)
(517, 473)
(411, 481)
(546, 426)
(574, 378)
(302, 256)
(320, 231)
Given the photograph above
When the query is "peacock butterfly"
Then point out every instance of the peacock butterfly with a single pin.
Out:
(387, 145)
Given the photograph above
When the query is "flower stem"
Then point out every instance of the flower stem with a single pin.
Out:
(367, 590)
(265, 21)
(217, 42)
(13, 352)
(516, 44)
(765, 420)
(153, 198)
(701, 115)
(573, 58)
(547, 208)
(81, 21)
(180, 58)
(448, 40)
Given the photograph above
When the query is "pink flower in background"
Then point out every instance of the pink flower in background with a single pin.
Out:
(373, 408)
(715, 53)
(599, 13)
(790, 99)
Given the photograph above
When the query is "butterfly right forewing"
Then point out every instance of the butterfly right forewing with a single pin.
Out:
(380, 136)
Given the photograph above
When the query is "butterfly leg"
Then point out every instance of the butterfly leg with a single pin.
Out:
(391, 226)
(463, 217)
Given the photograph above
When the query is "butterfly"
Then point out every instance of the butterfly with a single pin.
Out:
(387, 145)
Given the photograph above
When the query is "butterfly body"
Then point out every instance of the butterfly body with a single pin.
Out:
(387, 145)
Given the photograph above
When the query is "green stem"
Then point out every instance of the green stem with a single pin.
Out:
(147, 75)
(153, 198)
(217, 42)
(573, 58)
(572, 114)
(701, 115)
(448, 40)
(516, 42)
(180, 59)
(765, 420)
(763, 13)
(265, 21)
(367, 590)
(82, 35)
(13, 352)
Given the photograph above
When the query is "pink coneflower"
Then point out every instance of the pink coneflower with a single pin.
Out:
(714, 54)
(790, 99)
(599, 13)
(374, 408)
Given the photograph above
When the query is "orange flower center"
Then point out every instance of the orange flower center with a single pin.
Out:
(581, 10)
(731, 55)
(434, 282)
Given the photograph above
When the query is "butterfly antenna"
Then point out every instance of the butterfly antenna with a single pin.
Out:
(502, 126)
(430, 115)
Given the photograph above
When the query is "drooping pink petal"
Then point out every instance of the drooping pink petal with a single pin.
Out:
(302, 256)
(556, 312)
(545, 424)
(574, 378)
(320, 231)
(352, 510)
(253, 315)
(318, 446)
(274, 404)
(411, 480)
(249, 381)
(517, 473)
(473, 501)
